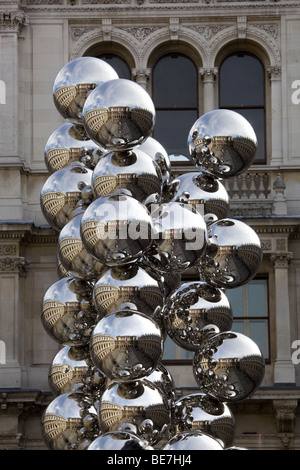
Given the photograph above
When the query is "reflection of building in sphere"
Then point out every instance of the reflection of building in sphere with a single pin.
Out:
(69, 247)
(53, 310)
(65, 96)
(53, 427)
(103, 345)
(63, 375)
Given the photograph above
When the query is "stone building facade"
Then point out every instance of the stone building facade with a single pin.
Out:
(37, 37)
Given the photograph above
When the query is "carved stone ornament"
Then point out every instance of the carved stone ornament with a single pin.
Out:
(14, 264)
(13, 21)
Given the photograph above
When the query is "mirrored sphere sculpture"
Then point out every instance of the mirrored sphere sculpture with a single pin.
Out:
(68, 422)
(62, 194)
(67, 315)
(75, 81)
(233, 254)
(194, 312)
(202, 191)
(132, 170)
(126, 345)
(129, 286)
(70, 143)
(116, 229)
(201, 412)
(119, 114)
(230, 366)
(194, 440)
(118, 440)
(159, 154)
(137, 406)
(179, 237)
(223, 143)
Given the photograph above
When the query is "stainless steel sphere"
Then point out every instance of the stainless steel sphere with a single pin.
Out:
(233, 254)
(119, 114)
(119, 440)
(201, 412)
(75, 81)
(179, 238)
(159, 154)
(69, 422)
(116, 229)
(223, 143)
(202, 191)
(230, 366)
(136, 406)
(62, 194)
(132, 170)
(70, 143)
(73, 371)
(129, 286)
(67, 314)
(194, 312)
(73, 256)
(126, 345)
(193, 440)
(163, 380)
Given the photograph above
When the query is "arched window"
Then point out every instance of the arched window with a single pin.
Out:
(242, 89)
(118, 64)
(175, 96)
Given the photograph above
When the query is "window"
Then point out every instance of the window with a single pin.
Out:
(175, 96)
(118, 64)
(242, 89)
(250, 312)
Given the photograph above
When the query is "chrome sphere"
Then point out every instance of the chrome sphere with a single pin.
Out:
(116, 229)
(75, 81)
(118, 440)
(163, 380)
(159, 154)
(68, 422)
(194, 312)
(126, 345)
(193, 440)
(202, 191)
(128, 286)
(233, 255)
(223, 143)
(119, 114)
(73, 256)
(230, 366)
(133, 170)
(70, 143)
(136, 406)
(62, 194)
(200, 412)
(67, 315)
(72, 370)
(179, 238)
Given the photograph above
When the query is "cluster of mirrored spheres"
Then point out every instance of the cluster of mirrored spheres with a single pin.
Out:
(127, 232)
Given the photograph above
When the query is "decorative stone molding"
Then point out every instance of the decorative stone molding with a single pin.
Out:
(208, 74)
(13, 21)
(274, 73)
(281, 260)
(141, 76)
(242, 27)
(14, 264)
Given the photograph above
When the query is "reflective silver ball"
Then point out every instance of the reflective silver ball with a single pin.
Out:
(138, 406)
(116, 229)
(126, 345)
(233, 254)
(133, 170)
(230, 366)
(72, 370)
(202, 191)
(194, 312)
(73, 255)
(159, 154)
(119, 440)
(193, 440)
(163, 380)
(201, 412)
(119, 114)
(70, 143)
(223, 143)
(179, 238)
(75, 81)
(67, 314)
(61, 194)
(128, 286)
(68, 422)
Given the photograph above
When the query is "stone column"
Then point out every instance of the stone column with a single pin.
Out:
(274, 74)
(284, 369)
(141, 76)
(209, 78)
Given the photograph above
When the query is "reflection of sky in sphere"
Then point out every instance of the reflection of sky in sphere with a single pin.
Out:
(148, 395)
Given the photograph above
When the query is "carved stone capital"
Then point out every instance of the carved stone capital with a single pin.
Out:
(141, 76)
(208, 75)
(281, 260)
(14, 264)
(13, 21)
(274, 73)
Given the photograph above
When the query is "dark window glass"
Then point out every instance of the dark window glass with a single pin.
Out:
(118, 64)
(175, 98)
(242, 89)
